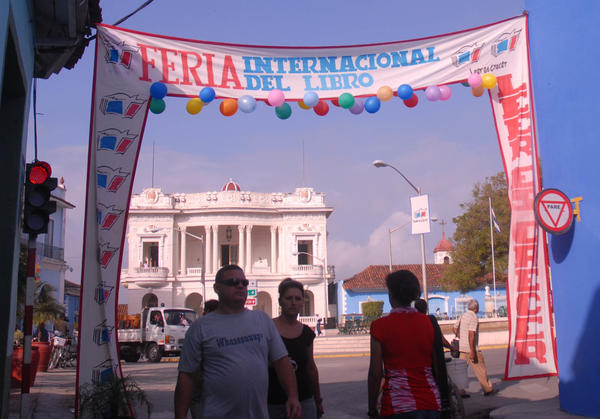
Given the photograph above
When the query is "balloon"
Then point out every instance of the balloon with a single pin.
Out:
(335, 102)
(346, 100)
(247, 103)
(303, 105)
(465, 83)
(358, 107)
(157, 106)
(158, 90)
(207, 94)
(322, 108)
(284, 111)
(405, 92)
(445, 92)
(385, 93)
(194, 105)
(488, 80)
(228, 107)
(474, 80)
(477, 91)
(433, 93)
(412, 102)
(372, 104)
(275, 97)
(310, 99)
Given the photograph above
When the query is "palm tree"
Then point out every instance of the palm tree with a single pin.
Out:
(45, 306)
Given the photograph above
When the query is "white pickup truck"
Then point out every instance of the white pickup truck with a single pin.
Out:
(161, 332)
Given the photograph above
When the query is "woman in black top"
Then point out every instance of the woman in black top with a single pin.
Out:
(298, 340)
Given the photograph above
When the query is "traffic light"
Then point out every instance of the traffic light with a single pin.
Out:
(38, 206)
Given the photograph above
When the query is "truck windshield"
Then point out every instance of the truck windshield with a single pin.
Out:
(180, 317)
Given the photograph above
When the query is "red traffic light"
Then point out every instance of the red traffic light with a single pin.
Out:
(39, 172)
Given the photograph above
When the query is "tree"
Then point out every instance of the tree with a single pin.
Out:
(472, 255)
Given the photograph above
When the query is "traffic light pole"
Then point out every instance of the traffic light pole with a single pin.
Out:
(28, 327)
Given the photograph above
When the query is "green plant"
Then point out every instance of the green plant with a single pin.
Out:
(372, 310)
(111, 399)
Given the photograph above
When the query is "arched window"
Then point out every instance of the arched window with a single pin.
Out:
(149, 300)
(308, 309)
(446, 259)
(194, 301)
(264, 303)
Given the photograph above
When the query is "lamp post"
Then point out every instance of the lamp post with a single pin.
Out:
(391, 230)
(202, 276)
(381, 163)
(324, 272)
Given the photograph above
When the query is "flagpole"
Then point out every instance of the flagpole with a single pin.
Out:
(493, 261)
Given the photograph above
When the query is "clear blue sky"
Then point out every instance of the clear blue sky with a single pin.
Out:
(444, 147)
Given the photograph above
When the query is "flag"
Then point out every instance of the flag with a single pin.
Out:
(494, 221)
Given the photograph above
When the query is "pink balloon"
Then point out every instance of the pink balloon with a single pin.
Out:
(433, 93)
(275, 97)
(474, 80)
(445, 92)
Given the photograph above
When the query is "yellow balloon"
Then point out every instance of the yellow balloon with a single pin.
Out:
(303, 105)
(477, 91)
(488, 80)
(385, 93)
(194, 105)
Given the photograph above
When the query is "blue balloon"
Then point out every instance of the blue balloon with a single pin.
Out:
(405, 92)
(246, 104)
(207, 94)
(372, 104)
(310, 99)
(158, 90)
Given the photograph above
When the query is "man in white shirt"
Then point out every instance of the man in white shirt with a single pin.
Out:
(467, 329)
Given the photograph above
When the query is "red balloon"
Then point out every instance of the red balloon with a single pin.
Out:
(336, 102)
(321, 108)
(412, 102)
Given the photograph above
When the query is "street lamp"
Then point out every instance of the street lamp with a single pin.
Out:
(391, 230)
(202, 277)
(324, 272)
(381, 163)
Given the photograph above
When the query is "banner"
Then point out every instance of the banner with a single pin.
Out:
(419, 208)
(128, 62)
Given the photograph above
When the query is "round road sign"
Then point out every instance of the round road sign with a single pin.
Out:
(553, 211)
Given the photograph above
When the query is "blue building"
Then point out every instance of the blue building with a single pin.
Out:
(369, 285)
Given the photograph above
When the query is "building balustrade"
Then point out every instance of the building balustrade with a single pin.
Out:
(194, 271)
(153, 271)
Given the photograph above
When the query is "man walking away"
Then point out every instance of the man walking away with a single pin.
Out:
(467, 329)
(231, 349)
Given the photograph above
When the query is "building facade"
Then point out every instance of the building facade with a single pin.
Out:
(177, 242)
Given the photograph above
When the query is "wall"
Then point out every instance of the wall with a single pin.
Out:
(564, 66)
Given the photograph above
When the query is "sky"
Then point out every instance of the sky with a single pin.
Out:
(443, 147)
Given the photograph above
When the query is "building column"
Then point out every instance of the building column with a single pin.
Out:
(208, 249)
(241, 247)
(273, 249)
(183, 250)
(215, 255)
(281, 252)
(248, 249)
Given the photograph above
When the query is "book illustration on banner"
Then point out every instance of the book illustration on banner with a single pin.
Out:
(104, 372)
(102, 292)
(107, 216)
(102, 333)
(119, 52)
(122, 104)
(110, 179)
(106, 254)
(112, 139)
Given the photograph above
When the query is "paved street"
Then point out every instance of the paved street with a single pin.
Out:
(343, 381)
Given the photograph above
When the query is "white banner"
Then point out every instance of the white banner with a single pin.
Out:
(419, 208)
(128, 62)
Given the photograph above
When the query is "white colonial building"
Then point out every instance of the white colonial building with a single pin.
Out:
(177, 242)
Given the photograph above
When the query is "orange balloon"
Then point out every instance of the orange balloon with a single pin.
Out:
(228, 107)
(303, 105)
(477, 91)
(385, 93)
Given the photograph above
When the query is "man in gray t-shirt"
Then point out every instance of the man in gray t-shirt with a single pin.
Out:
(231, 348)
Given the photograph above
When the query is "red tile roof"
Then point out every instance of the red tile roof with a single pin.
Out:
(373, 276)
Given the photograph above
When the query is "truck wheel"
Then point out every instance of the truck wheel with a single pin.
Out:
(153, 353)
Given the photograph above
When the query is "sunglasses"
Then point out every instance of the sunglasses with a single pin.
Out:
(234, 282)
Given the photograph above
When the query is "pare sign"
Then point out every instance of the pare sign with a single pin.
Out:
(553, 211)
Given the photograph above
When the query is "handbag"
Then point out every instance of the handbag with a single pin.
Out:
(454, 351)
(455, 344)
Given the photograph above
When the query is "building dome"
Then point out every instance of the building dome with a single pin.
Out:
(444, 245)
(231, 186)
